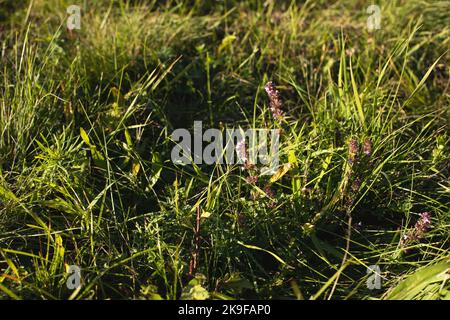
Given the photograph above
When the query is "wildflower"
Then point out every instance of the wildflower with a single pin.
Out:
(356, 185)
(275, 100)
(420, 228)
(367, 148)
(252, 179)
(271, 194)
(268, 190)
(241, 150)
(352, 150)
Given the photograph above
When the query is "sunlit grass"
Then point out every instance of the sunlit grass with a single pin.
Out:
(86, 176)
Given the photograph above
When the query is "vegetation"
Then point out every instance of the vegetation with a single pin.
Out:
(86, 176)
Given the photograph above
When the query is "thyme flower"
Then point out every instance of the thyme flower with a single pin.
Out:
(275, 100)
(353, 148)
(420, 229)
(367, 148)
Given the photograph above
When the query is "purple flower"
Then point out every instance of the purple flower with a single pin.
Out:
(367, 148)
(275, 100)
(356, 185)
(252, 179)
(241, 150)
(423, 223)
(353, 148)
(420, 228)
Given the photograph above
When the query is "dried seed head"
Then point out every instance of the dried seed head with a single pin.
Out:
(275, 100)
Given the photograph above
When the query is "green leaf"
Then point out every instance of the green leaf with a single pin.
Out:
(358, 101)
(267, 251)
(421, 284)
(85, 137)
(194, 292)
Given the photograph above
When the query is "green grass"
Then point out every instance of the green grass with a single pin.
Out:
(86, 176)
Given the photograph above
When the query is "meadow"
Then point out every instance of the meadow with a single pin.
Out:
(93, 207)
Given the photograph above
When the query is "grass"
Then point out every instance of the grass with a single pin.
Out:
(86, 176)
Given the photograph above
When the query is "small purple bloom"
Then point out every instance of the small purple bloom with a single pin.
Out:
(275, 100)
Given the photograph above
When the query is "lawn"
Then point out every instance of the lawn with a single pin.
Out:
(353, 94)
